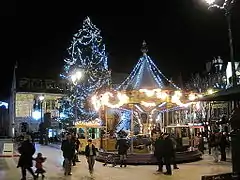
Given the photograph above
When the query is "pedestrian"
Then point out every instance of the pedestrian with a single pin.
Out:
(158, 149)
(216, 146)
(74, 139)
(201, 143)
(174, 142)
(68, 149)
(77, 146)
(168, 153)
(223, 144)
(210, 143)
(122, 146)
(90, 153)
(39, 167)
(26, 150)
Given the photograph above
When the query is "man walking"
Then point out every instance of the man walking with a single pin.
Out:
(68, 149)
(158, 152)
(122, 147)
(168, 152)
(223, 144)
(174, 142)
(90, 153)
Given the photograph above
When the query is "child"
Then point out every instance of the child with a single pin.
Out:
(39, 161)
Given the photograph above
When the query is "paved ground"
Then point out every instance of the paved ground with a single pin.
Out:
(190, 171)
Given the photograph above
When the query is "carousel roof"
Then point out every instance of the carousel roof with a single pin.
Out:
(146, 75)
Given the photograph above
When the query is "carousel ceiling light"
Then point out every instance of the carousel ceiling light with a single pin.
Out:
(191, 97)
(162, 95)
(104, 100)
(148, 104)
(210, 91)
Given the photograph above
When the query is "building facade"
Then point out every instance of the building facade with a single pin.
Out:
(31, 101)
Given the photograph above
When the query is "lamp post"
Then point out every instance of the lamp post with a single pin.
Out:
(227, 7)
(235, 134)
(41, 127)
(75, 78)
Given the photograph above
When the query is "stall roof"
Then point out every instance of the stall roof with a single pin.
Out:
(229, 94)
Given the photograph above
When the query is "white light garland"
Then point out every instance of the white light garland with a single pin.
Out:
(104, 100)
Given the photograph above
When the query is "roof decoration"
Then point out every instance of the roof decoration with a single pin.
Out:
(146, 75)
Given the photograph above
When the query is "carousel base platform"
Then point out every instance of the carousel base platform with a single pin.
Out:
(148, 158)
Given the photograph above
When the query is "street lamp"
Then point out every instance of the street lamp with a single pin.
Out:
(75, 78)
(41, 98)
(227, 7)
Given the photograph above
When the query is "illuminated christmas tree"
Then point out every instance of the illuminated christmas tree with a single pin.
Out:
(86, 71)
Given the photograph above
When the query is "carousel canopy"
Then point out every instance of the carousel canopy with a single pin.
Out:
(146, 75)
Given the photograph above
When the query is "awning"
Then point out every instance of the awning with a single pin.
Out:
(229, 94)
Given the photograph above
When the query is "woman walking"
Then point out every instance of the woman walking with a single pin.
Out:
(26, 150)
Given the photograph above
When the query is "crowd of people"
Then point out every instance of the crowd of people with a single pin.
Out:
(164, 147)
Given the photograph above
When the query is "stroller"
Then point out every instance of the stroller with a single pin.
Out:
(111, 159)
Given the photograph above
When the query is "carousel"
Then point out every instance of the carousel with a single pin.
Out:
(144, 105)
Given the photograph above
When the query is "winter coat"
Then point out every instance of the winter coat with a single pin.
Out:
(39, 162)
(159, 146)
(122, 146)
(87, 151)
(223, 142)
(77, 144)
(68, 149)
(26, 150)
(168, 150)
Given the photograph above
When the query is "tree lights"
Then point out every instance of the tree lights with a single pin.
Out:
(86, 67)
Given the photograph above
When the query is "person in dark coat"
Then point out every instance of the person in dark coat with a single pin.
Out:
(74, 160)
(173, 139)
(68, 149)
(223, 144)
(201, 143)
(90, 153)
(26, 150)
(210, 143)
(168, 153)
(159, 146)
(122, 147)
(77, 146)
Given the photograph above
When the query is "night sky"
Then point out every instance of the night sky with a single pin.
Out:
(181, 35)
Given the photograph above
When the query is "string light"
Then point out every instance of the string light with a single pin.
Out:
(93, 123)
(148, 104)
(225, 4)
(145, 68)
(104, 100)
